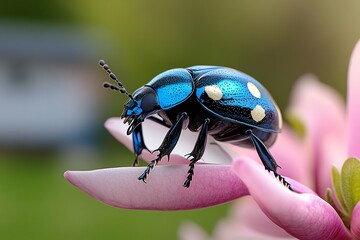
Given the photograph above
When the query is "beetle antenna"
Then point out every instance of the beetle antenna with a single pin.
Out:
(120, 87)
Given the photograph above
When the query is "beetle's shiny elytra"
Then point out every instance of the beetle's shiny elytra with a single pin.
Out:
(222, 102)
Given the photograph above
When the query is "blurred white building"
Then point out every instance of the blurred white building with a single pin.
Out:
(50, 86)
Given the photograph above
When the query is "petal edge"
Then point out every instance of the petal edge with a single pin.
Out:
(291, 211)
(353, 98)
(355, 221)
(119, 187)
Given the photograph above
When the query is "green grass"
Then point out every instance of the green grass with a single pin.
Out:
(38, 203)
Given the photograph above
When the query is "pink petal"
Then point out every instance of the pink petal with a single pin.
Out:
(333, 152)
(247, 221)
(355, 221)
(322, 111)
(119, 187)
(191, 231)
(154, 134)
(305, 216)
(353, 100)
(229, 230)
(314, 102)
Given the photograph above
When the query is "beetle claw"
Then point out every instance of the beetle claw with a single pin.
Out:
(144, 175)
(187, 183)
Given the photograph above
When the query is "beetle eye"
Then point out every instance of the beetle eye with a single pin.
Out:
(148, 103)
(131, 104)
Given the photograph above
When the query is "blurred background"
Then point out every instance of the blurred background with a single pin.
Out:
(53, 106)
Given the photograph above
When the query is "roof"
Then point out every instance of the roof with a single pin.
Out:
(50, 42)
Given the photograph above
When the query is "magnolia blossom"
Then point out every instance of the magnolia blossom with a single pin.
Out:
(302, 214)
(331, 135)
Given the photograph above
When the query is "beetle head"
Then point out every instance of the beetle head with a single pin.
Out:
(142, 104)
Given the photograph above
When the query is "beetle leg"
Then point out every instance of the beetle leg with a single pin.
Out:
(197, 152)
(266, 157)
(138, 143)
(167, 145)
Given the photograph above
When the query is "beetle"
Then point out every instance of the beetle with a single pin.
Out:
(225, 103)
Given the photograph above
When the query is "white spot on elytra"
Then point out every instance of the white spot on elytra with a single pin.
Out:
(214, 92)
(258, 113)
(253, 90)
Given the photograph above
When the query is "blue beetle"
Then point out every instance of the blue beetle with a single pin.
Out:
(218, 101)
